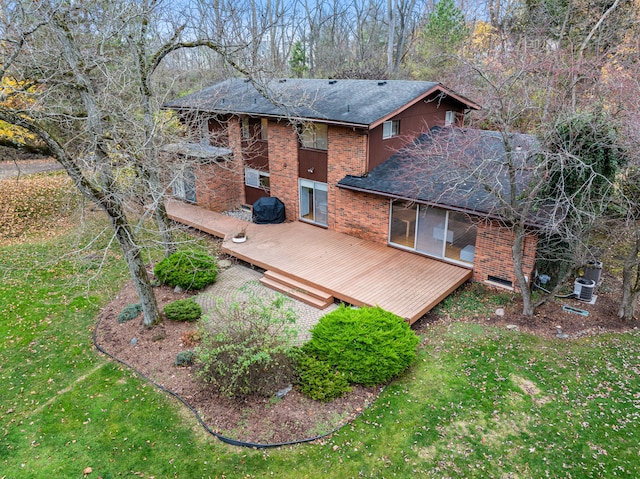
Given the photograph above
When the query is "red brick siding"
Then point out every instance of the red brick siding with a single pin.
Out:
(347, 155)
(283, 165)
(494, 256)
(220, 188)
(362, 215)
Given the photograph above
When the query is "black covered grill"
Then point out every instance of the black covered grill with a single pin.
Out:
(268, 210)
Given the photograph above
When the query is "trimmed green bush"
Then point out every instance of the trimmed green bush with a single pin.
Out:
(187, 269)
(319, 381)
(183, 310)
(369, 345)
(185, 358)
(130, 312)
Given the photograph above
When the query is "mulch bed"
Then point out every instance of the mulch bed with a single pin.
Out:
(602, 316)
(152, 352)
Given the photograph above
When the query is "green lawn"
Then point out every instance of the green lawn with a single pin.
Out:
(479, 402)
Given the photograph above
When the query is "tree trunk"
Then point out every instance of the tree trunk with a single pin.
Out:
(391, 34)
(517, 252)
(164, 223)
(136, 267)
(628, 304)
(105, 196)
(630, 283)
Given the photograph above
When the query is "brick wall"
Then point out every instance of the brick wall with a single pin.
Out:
(362, 215)
(346, 155)
(283, 165)
(493, 254)
(221, 187)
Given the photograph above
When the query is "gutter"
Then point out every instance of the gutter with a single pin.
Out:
(272, 116)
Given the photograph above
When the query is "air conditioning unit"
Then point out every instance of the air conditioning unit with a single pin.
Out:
(583, 289)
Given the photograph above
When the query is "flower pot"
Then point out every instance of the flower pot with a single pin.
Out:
(239, 239)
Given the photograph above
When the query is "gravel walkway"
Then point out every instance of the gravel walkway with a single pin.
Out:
(231, 280)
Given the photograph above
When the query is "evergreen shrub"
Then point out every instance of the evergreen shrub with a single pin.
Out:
(187, 269)
(130, 312)
(183, 310)
(318, 380)
(369, 345)
(185, 358)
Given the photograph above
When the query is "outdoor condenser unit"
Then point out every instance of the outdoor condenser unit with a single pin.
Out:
(583, 288)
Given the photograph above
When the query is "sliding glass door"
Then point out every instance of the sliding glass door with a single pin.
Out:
(313, 202)
(433, 231)
(430, 238)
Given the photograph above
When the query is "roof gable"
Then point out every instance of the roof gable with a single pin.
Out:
(352, 102)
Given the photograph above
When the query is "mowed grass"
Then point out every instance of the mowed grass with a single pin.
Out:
(479, 402)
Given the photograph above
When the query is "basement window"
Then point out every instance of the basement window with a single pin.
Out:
(498, 281)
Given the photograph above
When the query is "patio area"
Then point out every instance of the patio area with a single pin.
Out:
(302, 258)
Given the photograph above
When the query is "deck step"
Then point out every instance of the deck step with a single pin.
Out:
(298, 285)
(297, 290)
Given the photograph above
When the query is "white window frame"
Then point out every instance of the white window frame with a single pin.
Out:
(319, 208)
(264, 129)
(390, 129)
(449, 118)
(256, 178)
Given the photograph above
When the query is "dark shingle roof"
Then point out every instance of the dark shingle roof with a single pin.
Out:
(450, 167)
(354, 102)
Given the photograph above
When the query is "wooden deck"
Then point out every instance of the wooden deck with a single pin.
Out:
(353, 270)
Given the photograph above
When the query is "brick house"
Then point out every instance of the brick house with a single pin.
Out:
(329, 149)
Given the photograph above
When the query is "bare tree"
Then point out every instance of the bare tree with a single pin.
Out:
(88, 69)
(514, 175)
(627, 223)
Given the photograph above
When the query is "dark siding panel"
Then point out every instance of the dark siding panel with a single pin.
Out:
(252, 194)
(315, 160)
(256, 155)
(420, 117)
(219, 132)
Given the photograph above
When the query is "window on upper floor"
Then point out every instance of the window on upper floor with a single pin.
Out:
(449, 118)
(204, 136)
(264, 129)
(256, 178)
(390, 129)
(246, 129)
(314, 135)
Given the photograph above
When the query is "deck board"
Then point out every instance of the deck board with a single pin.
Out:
(351, 269)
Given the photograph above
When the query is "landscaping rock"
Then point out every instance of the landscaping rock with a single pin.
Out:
(283, 392)
(224, 263)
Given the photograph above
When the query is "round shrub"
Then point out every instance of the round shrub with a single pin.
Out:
(187, 269)
(183, 310)
(369, 345)
(129, 312)
(185, 358)
(318, 380)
